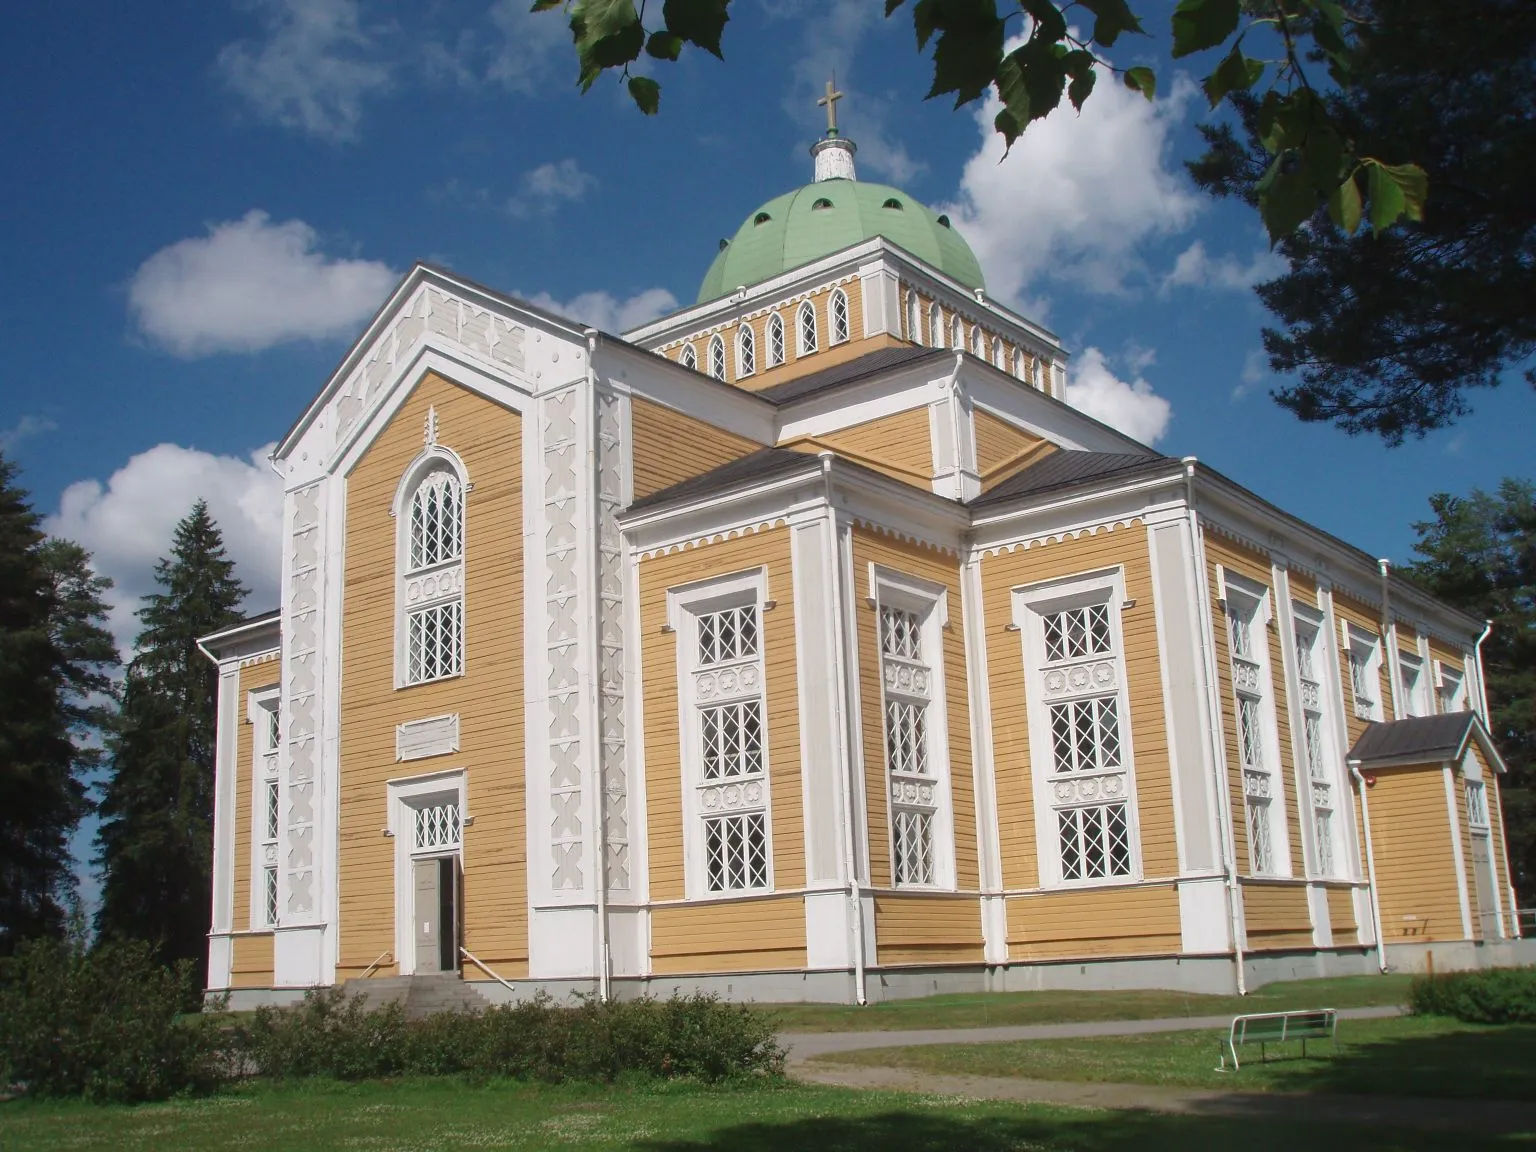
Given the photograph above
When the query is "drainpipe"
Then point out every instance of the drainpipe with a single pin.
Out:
(1213, 702)
(1482, 683)
(594, 696)
(1370, 863)
(839, 700)
(1389, 638)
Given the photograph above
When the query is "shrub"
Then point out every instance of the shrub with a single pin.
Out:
(102, 1023)
(330, 1034)
(1487, 996)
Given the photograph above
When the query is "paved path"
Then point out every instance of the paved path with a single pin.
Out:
(1480, 1116)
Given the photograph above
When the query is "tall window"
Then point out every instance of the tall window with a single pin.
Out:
(433, 579)
(805, 325)
(266, 814)
(1362, 651)
(1451, 689)
(746, 351)
(1321, 754)
(721, 662)
(1410, 673)
(775, 340)
(908, 652)
(914, 318)
(935, 326)
(997, 355)
(689, 358)
(839, 308)
(1477, 804)
(717, 356)
(978, 343)
(1247, 615)
(1083, 783)
(957, 334)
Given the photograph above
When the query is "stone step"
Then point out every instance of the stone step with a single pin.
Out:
(421, 995)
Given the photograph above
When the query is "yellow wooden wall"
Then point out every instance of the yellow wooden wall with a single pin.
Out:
(1276, 915)
(669, 447)
(1364, 617)
(1464, 831)
(1341, 916)
(488, 697)
(921, 337)
(870, 547)
(1245, 562)
(1002, 449)
(1415, 868)
(900, 445)
(251, 964)
(768, 549)
(755, 933)
(927, 928)
(1094, 923)
(253, 678)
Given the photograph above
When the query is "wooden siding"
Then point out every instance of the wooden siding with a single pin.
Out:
(1126, 548)
(900, 445)
(936, 567)
(1447, 654)
(769, 549)
(251, 964)
(1303, 587)
(488, 697)
(1464, 832)
(1249, 564)
(927, 928)
(921, 337)
(1341, 917)
(669, 447)
(1501, 869)
(1364, 617)
(751, 934)
(1095, 922)
(1003, 448)
(1276, 916)
(253, 678)
(1415, 870)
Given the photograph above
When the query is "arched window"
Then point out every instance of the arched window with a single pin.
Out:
(689, 358)
(997, 353)
(914, 319)
(431, 593)
(935, 326)
(1021, 365)
(775, 340)
(805, 323)
(746, 351)
(839, 309)
(957, 334)
(717, 357)
(978, 343)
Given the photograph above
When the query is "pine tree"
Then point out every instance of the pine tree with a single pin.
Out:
(156, 838)
(54, 694)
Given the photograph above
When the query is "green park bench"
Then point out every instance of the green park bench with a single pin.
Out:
(1277, 1027)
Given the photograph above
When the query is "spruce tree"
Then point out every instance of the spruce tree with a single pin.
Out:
(156, 837)
(54, 691)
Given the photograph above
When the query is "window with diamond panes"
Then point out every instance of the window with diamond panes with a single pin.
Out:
(269, 896)
(1095, 842)
(746, 351)
(1361, 654)
(733, 740)
(1085, 734)
(913, 846)
(689, 358)
(839, 317)
(935, 327)
(1078, 632)
(730, 634)
(435, 642)
(271, 810)
(438, 826)
(736, 852)
(1477, 804)
(1452, 696)
(775, 340)
(437, 521)
(806, 323)
(1245, 623)
(717, 357)
(1320, 757)
(914, 319)
(914, 786)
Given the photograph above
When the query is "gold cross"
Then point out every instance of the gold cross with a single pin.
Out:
(829, 102)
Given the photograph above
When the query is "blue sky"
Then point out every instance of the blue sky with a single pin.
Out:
(205, 201)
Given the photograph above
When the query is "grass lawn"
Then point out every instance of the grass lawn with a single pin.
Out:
(994, 1009)
(1406, 1056)
(444, 1115)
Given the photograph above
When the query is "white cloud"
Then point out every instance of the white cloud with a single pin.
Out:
(521, 54)
(1195, 268)
(24, 429)
(1133, 408)
(313, 69)
(541, 190)
(127, 522)
(1255, 368)
(606, 312)
(250, 284)
(1078, 193)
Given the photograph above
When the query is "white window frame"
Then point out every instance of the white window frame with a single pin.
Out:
(746, 351)
(1362, 656)
(1327, 791)
(1030, 605)
(717, 356)
(261, 712)
(804, 346)
(1246, 602)
(978, 343)
(1450, 688)
(935, 326)
(685, 606)
(433, 587)
(900, 683)
(1412, 683)
(839, 319)
(998, 354)
(957, 333)
(688, 358)
(773, 336)
(406, 796)
(914, 313)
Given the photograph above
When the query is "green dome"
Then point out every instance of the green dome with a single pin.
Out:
(828, 216)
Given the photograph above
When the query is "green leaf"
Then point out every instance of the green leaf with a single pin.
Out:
(892, 5)
(1344, 206)
(646, 93)
(1202, 24)
(1110, 19)
(1323, 156)
(607, 35)
(1235, 73)
(1396, 190)
(1014, 116)
(1286, 196)
(1079, 66)
(664, 45)
(968, 50)
(545, 5)
(700, 22)
(1143, 80)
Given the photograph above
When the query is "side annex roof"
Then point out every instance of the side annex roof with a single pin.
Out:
(1066, 468)
(1423, 740)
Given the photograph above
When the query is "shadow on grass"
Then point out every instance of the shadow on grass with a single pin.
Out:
(1488, 1064)
(1013, 1130)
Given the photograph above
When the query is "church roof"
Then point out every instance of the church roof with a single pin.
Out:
(1423, 739)
(754, 467)
(849, 370)
(827, 216)
(1064, 468)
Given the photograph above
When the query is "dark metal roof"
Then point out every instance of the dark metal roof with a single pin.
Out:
(270, 614)
(1425, 738)
(870, 363)
(764, 464)
(1064, 468)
